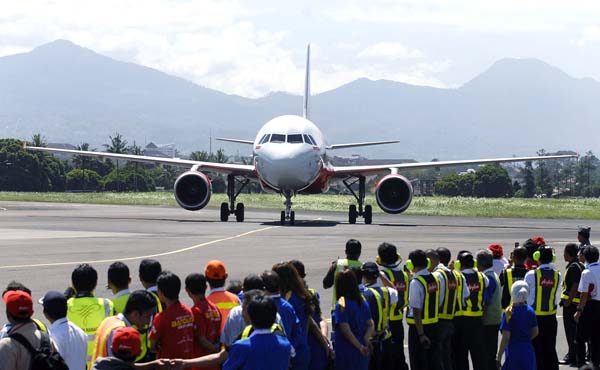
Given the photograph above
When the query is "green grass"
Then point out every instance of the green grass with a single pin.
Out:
(432, 206)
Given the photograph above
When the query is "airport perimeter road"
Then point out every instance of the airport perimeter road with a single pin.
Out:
(41, 243)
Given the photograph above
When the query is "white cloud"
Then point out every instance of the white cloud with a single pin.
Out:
(590, 34)
(390, 50)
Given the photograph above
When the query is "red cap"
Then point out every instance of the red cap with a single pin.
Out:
(126, 342)
(215, 269)
(539, 241)
(18, 303)
(497, 250)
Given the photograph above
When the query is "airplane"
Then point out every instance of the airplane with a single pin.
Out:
(290, 158)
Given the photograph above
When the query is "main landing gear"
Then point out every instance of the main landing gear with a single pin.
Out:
(353, 213)
(288, 214)
(231, 208)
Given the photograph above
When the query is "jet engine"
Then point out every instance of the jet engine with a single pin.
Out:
(192, 190)
(394, 193)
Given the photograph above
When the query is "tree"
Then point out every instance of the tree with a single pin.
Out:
(136, 150)
(200, 156)
(585, 173)
(528, 179)
(125, 179)
(456, 185)
(117, 145)
(492, 181)
(544, 177)
(83, 180)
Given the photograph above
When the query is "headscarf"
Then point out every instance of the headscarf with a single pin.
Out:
(518, 292)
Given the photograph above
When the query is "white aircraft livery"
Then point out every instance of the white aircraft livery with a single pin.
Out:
(289, 158)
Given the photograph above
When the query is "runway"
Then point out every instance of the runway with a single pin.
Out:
(41, 243)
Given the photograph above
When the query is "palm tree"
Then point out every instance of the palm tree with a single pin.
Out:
(80, 161)
(117, 145)
(137, 150)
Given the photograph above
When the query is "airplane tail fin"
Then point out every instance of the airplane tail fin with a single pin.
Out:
(307, 84)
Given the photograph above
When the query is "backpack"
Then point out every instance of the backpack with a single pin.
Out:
(44, 358)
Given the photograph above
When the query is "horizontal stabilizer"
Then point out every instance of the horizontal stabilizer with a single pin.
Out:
(368, 143)
(249, 142)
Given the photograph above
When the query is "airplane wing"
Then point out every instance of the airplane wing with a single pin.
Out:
(249, 142)
(368, 143)
(227, 168)
(341, 171)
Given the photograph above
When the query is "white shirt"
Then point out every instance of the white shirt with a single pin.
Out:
(71, 342)
(590, 281)
(499, 265)
(442, 279)
(530, 280)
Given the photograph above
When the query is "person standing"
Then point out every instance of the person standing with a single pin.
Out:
(423, 314)
(468, 334)
(389, 260)
(70, 340)
(518, 327)
(500, 262)
(353, 250)
(216, 275)
(352, 323)
(570, 299)
(513, 274)
(492, 315)
(148, 273)
(544, 284)
(588, 310)
(118, 283)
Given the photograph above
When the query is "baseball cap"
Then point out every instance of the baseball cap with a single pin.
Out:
(215, 269)
(370, 269)
(496, 249)
(126, 342)
(18, 304)
(55, 303)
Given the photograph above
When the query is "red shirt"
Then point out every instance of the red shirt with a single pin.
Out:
(207, 319)
(173, 330)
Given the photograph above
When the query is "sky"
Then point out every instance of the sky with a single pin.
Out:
(254, 47)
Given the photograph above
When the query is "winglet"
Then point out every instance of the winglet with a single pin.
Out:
(307, 84)
(24, 143)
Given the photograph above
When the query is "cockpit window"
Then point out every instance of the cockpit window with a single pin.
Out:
(295, 139)
(278, 138)
(309, 139)
(264, 139)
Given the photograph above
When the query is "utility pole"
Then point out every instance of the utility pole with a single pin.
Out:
(210, 143)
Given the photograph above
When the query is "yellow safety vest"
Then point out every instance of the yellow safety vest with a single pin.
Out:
(400, 280)
(474, 304)
(341, 265)
(382, 300)
(566, 289)
(452, 293)
(120, 302)
(275, 329)
(431, 286)
(88, 313)
(546, 285)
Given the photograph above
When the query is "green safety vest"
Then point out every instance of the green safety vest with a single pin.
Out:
(341, 265)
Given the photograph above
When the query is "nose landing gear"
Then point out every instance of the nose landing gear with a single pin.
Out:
(231, 208)
(288, 214)
(353, 213)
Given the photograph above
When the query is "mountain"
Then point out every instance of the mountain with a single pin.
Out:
(517, 106)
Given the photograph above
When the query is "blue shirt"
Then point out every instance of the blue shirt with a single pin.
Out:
(355, 314)
(520, 324)
(291, 323)
(261, 351)
(488, 293)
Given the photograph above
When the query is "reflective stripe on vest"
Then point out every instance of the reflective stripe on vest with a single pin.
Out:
(88, 313)
(431, 286)
(102, 334)
(546, 284)
(275, 329)
(341, 265)
(450, 296)
(400, 281)
(566, 290)
(40, 325)
(474, 304)
(226, 305)
(382, 300)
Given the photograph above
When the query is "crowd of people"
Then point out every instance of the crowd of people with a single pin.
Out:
(499, 312)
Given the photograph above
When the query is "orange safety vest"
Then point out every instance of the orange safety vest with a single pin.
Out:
(103, 333)
(225, 302)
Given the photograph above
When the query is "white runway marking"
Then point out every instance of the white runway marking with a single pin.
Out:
(3, 209)
(142, 257)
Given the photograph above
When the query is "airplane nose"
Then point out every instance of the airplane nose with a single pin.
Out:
(292, 167)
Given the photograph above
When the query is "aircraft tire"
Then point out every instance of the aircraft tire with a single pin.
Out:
(224, 212)
(282, 218)
(368, 216)
(239, 212)
(292, 218)
(352, 214)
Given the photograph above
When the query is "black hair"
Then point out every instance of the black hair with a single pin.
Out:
(18, 320)
(262, 311)
(485, 259)
(196, 283)
(387, 253)
(253, 281)
(16, 286)
(432, 254)
(444, 254)
(169, 284)
(357, 273)
(271, 281)
(56, 312)
(531, 247)
(299, 266)
(346, 285)
(234, 286)
(140, 301)
(466, 259)
(149, 270)
(571, 250)
(584, 232)
(546, 254)
(249, 295)
(290, 281)
(591, 254)
(353, 249)
(520, 254)
(418, 258)
(118, 275)
(84, 278)
(215, 283)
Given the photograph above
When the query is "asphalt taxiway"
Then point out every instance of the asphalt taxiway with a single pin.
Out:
(41, 243)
